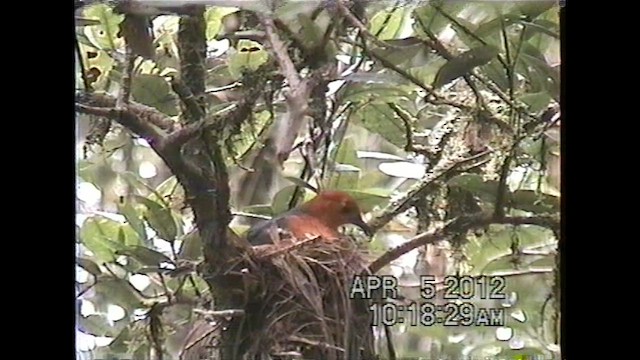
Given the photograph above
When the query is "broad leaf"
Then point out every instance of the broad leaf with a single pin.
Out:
(118, 292)
(536, 101)
(160, 219)
(90, 266)
(97, 325)
(463, 64)
(282, 199)
(374, 93)
(530, 200)
(382, 120)
(301, 183)
(104, 35)
(344, 177)
(250, 55)
(145, 255)
(214, 18)
(367, 199)
(134, 219)
(154, 91)
(100, 235)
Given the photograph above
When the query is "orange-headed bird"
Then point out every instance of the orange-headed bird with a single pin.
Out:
(320, 216)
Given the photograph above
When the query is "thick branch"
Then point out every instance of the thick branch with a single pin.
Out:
(131, 117)
(457, 226)
(146, 113)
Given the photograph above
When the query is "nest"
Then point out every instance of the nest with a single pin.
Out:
(299, 305)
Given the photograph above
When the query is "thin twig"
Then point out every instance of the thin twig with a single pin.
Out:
(359, 25)
(456, 226)
(436, 174)
(220, 313)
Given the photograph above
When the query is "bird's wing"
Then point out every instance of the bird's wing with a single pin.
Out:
(301, 226)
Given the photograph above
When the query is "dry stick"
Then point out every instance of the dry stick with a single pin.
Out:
(220, 313)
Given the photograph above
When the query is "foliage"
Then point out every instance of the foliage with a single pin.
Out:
(137, 248)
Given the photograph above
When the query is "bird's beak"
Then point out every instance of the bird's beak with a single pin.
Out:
(359, 222)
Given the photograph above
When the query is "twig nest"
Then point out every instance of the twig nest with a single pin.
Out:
(301, 302)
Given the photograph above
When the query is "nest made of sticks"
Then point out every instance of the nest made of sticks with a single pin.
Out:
(299, 304)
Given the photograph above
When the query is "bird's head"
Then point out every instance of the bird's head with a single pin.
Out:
(336, 208)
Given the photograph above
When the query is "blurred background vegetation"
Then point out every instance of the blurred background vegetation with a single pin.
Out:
(381, 134)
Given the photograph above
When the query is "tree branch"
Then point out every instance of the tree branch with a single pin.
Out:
(437, 173)
(299, 91)
(457, 226)
(130, 117)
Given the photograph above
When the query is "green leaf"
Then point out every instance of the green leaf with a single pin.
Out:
(406, 57)
(100, 235)
(406, 42)
(496, 73)
(536, 101)
(289, 11)
(138, 183)
(144, 255)
(494, 26)
(374, 93)
(533, 9)
(250, 55)
(104, 35)
(503, 263)
(301, 183)
(134, 219)
(369, 198)
(265, 210)
(127, 236)
(97, 325)
(160, 219)
(310, 32)
(282, 199)
(191, 248)
(214, 18)
(390, 25)
(381, 120)
(485, 190)
(545, 262)
(347, 153)
(464, 63)
(530, 200)
(90, 266)
(154, 91)
(344, 177)
(431, 18)
(541, 26)
(169, 187)
(118, 292)
(86, 22)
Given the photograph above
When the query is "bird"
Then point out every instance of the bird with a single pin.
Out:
(320, 216)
